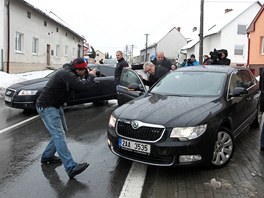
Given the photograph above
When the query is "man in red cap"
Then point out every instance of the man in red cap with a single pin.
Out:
(49, 106)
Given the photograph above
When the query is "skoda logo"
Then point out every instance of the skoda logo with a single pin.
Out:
(135, 124)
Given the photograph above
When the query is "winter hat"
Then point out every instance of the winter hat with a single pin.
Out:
(79, 63)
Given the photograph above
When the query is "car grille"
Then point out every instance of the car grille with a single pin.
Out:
(145, 133)
(10, 92)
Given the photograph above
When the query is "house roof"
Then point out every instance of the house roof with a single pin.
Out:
(225, 20)
(53, 17)
(251, 27)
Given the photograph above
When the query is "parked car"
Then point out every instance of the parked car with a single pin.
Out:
(23, 95)
(189, 117)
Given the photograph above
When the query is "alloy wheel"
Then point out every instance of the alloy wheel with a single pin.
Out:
(223, 149)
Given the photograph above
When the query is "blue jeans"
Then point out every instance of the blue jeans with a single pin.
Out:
(54, 121)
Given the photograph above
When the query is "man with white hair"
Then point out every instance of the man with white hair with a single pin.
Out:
(155, 73)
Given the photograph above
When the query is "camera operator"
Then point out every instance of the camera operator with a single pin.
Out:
(192, 61)
(219, 57)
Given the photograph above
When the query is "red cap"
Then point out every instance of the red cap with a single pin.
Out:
(79, 63)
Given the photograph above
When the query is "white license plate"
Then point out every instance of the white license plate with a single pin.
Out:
(7, 99)
(135, 146)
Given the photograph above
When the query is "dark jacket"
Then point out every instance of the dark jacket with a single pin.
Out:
(119, 68)
(159, 73)
(261, 88)
(61, 85)
(165, 63)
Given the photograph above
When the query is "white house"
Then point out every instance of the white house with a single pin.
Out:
(229, 33)
(170, 44)
(36, 39)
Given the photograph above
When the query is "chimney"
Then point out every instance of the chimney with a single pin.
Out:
(194, 29)
(228, 10)
(178, 29)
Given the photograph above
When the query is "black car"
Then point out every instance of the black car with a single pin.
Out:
(189, 117)
(23, 95)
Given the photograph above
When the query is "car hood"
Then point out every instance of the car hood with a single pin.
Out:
(169, 111)
(38, 84)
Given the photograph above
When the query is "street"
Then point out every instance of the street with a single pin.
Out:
(22, 175)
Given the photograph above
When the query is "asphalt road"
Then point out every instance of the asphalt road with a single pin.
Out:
(22, 175)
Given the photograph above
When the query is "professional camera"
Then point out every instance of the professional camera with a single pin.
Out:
(215, 55)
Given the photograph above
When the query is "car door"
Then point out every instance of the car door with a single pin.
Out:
(249, 82)
(124, 92)
(240, 109)
(103, 89)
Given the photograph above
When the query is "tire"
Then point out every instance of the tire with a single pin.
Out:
(223, 149)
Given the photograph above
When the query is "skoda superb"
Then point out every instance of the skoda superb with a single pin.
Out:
(189, 117)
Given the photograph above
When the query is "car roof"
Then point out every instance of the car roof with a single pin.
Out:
(211, 68)
(96, 65)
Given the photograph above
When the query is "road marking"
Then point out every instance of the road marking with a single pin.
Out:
(134, 181)
(18, 124)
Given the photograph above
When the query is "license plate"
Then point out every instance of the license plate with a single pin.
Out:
(134, 146)
(7, 99)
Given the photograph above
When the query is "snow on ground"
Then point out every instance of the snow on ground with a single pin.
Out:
(8, 79)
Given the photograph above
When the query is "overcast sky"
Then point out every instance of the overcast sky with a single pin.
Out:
(110, 25)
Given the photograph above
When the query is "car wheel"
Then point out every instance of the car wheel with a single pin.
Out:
(223, 148)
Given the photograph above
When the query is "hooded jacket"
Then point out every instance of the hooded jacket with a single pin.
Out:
(61, 85)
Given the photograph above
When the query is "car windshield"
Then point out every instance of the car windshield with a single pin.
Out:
(191, 83)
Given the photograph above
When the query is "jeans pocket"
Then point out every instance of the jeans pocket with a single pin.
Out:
(39, 109)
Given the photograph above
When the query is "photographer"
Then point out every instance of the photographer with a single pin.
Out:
(192, 61)
(219, 57)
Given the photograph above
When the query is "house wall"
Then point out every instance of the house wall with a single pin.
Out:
(47, 35)
(99, 55)
(171, 44)
(255, 55)
(151, 51)
(230, 31)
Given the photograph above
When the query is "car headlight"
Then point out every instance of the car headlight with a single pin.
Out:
(112, 121)
(27, 92)
(188, 133)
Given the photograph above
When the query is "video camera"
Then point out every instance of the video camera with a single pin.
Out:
(215, 55)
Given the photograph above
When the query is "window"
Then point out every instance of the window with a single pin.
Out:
(262, 45)
(57, 29)
(239, 50)
(29, 15)
(19, 42)
(57, 50)
(66, 50)
(35, 45)
(242, 29)
(73, 52)
(45, 23)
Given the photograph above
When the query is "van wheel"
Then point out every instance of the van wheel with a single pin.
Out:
(223, 149)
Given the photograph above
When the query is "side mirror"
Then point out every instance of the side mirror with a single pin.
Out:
(239, 91)
(135, 87)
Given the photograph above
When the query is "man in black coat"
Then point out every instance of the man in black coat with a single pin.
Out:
(49, 106)
(121, 63)
(155, 73)
(162, 61)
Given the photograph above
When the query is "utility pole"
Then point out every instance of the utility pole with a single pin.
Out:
(132, 47)
(201, 33)
(146, 47)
